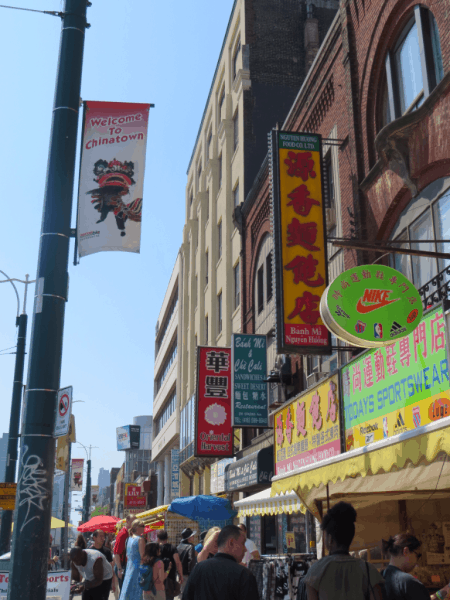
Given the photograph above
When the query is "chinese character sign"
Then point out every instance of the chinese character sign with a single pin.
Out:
(307, 430)
(175, 464)
(249, 394)
(133, 496)
(214, 432)
(399, 387)
(110, 195)
(300, 244)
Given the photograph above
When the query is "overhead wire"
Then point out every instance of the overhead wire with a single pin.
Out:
(53, 13)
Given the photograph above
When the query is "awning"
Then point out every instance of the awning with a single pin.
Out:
(263, 504)
(148, 515)
(254, 469)
(403, 467)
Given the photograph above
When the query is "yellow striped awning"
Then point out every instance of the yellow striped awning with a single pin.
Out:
(148, 515)
(263, 504)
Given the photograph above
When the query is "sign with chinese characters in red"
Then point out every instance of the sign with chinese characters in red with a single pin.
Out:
(301, 269)
(213, 429)
(307, 430)
(133, 496)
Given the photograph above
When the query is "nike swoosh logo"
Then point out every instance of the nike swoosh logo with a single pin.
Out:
(363, 309)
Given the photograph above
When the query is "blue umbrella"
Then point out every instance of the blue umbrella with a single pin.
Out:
(208, 508)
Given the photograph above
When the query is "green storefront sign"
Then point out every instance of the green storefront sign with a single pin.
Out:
(371, 306)
(399, 387)
(249, 390)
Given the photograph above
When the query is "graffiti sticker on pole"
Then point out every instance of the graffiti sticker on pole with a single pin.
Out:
(63, 410)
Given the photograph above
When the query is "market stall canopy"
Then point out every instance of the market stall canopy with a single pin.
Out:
(147, 516)
(154, 526)
(402, 467)
(263, 503)
(105, 522)
(203, 507)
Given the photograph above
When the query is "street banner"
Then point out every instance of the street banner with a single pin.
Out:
(371, 306)
(111, 183)
(398, 388)
(249, 405)
(63, 412)
(76, 476)
(95, 490)
(213, 429)
(133, 496)
(8, 496)
(58, 584)
(307, 430)
(300, 245)
(175, 484)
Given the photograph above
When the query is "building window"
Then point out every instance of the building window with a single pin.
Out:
(413, 66)
(219, 239)
(166, 367)
(207, 207)
(221, 103)
(168, 410)
(199, 173)
(206, 267)
(209, 144)
(236, 130)
(237, 51)
(236, 195)
(220, 171)
(219, 312)
(260, 289)
(191, 197)
(237, 286)
(431, 222)
(269, 276)
(196, 291)
(206, 330)
(162, 331)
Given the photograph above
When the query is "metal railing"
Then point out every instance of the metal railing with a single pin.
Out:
(187, 452)
(437, 289)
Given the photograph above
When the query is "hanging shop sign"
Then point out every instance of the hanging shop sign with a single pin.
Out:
(113, 157)
(128, 437)
(249, 389)
(301, 269)
(398, 388)
(213, 429)
(133, 496)
(76, 476)
(63, 411)
(252, 470)
(175, 463)
(371, 306)
(218, 475)
(307, 430)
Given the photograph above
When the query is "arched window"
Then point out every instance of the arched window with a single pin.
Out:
(426, 218)
(413, 66)
(263, 286)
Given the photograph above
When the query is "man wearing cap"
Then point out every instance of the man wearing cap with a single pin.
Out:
(186, 550)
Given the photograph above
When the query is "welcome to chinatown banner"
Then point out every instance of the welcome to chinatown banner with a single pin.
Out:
(111, 184)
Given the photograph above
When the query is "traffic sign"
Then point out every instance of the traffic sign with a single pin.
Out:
(64, 408)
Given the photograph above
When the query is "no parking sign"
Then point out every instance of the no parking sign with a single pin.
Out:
(63, 410)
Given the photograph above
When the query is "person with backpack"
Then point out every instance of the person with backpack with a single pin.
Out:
(188, 558)
(152, 574)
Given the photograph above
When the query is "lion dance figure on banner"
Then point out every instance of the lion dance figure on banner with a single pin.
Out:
(114, 179)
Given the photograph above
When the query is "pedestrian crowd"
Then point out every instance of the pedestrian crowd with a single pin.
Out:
(217, 568)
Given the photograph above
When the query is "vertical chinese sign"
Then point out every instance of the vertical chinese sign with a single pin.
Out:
(399, 387)
(308, 429)
(175, 467)
(249, 388)
(214, 432)
(111, 183)
(301, 270)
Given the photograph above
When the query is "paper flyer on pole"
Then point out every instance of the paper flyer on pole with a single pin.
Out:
(110, 193)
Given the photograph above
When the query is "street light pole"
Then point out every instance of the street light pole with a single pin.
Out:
(13, 435)
(28, 578)
(87, 497)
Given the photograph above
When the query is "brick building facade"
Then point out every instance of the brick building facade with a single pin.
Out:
(379, 85)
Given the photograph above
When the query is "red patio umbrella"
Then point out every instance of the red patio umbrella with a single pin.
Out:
(105, 522)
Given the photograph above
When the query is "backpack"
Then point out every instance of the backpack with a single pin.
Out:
(146, 579)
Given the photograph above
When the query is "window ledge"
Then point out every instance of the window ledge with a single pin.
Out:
(236, 311)
(235, 153)
(219, 261)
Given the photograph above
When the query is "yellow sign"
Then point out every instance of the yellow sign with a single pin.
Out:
(8, 496)
(307, 430)
(300, 244)
(290, 539)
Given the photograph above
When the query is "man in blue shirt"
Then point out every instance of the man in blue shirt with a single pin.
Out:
(199, 546)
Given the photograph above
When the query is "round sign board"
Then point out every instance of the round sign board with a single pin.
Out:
(64, 405)
(371, 306)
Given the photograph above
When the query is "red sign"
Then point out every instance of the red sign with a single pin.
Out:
(139, 501)
(214, 433)
(133, 495)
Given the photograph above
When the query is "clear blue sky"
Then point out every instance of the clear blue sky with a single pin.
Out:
(136, 51)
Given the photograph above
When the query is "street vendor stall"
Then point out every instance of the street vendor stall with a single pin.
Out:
(391, 412)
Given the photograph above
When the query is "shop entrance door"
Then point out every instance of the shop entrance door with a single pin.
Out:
(270, 534)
